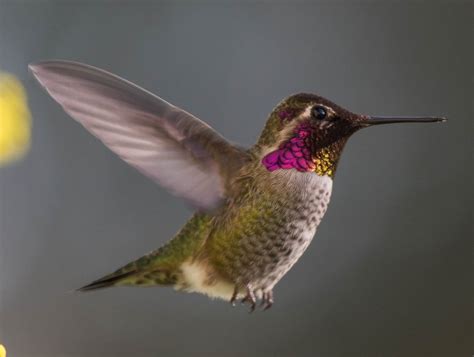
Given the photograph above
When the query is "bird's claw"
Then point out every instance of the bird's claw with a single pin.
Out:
(267, 300)
(234, 296)
(250, 298)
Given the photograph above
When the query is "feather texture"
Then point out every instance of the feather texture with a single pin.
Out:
(167, 144)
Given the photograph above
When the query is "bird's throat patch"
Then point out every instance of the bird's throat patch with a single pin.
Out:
(296, 154)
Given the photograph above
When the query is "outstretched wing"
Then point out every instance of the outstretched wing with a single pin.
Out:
(167, 144)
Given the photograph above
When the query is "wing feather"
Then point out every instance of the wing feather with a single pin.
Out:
(167, 144)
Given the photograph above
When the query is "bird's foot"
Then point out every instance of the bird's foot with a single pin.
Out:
(267, 300)
(250, 298)
(234, 295)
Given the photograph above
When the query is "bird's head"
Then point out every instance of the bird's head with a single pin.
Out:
(307, 132)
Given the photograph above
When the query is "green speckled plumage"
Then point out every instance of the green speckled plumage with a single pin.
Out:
(257, 236)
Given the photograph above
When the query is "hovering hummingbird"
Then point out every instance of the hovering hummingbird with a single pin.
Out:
(257, 208)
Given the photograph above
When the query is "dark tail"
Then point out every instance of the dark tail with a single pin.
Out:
(137, 273)
(107, 281)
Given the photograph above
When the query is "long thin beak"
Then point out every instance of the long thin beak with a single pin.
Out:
(372, 120)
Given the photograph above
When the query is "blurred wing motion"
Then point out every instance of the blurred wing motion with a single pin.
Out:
(167, 144)
(15, 120)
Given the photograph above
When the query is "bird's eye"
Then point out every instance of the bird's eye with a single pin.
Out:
(319, 112)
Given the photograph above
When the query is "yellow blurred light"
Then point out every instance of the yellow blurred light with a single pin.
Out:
(3, 351)
(15, 121)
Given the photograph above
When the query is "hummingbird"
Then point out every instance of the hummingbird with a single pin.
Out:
(256, 209)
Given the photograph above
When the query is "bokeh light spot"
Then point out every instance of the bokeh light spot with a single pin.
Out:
(15, 120)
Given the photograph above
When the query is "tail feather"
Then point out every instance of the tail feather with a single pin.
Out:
(136, 273)
(163, 265)
(107, 281)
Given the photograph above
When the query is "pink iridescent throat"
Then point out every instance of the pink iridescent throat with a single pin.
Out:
(292, 154)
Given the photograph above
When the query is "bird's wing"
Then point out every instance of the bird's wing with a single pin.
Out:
(167, 144)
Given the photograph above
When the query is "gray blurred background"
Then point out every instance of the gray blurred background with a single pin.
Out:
(390, 271)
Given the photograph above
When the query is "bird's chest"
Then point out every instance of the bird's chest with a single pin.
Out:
(291, 238)
(271, 233)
